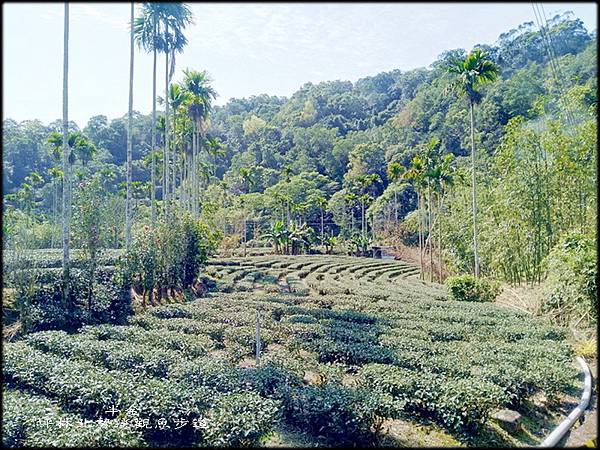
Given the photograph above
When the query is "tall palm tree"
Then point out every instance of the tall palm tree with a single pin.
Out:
(65, 160)
(177, 97)
(199, 100)
(364, 182)
(128, 206)
(56, 174)
(443, 175)
(322, 202)
(175, 17)
(147, 32)
(416, 174)
(431, 158)
(79, 146)
(472, 72)
(395, 171)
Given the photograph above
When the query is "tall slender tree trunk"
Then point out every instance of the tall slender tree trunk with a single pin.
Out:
(153, 135)
(430, 232)
(174, 157)
(128, 205)
(396, 204)
(475, 253)
(196, 168)
(194, 172)
(439, 212)
(373, 218)
(362, 219)
(419, 202)
(182, 182)
(66, 212)
(166, 197)
(322, 227)
(55, 210)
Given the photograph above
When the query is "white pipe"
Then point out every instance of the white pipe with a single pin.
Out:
(554, 437)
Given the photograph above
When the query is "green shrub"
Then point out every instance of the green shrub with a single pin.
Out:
(170, 254)
(211, 373)
(571, 293)
(471, 289)
(190, 345)
(332, 410)
(271, 380)
(240, 420)
(136, 358)
(300, 318)
(43, 306)
(33, 421)
(92, 392)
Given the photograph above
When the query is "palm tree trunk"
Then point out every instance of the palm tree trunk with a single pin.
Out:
(128, 209)
(65, 161)
(166, 151)
(362, 219)
(420, 201)
(475, 253)
(373, 217)
(439, 212)
(195, 172)
(54, 210)
(198, 179)
(153, 137)
(396, 204)
(322, 213)
(182, 184)
(174, 155)
(429, 233)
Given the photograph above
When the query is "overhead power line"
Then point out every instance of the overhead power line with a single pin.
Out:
(552, 59)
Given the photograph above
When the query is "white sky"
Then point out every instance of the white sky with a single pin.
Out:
(248, 49)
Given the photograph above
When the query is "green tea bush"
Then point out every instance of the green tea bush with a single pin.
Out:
(334, 411)
(92, 392)
(240, 420)
(211, 373)
(189, 345)
(271, 380)
(136, 358)
(33, 421)
(406, 352)
(459, 404)
(44, 308)
(471, 289)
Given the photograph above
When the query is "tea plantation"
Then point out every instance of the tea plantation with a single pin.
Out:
(346, 343)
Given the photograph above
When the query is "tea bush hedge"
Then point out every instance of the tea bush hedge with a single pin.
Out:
(335, 366)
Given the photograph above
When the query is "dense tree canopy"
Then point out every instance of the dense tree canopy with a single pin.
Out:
(327, 149)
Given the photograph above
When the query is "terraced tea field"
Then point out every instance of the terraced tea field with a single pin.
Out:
(321, 274)
(350, 347)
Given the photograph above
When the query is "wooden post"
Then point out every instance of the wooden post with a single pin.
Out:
(257, 337)
(244, 236)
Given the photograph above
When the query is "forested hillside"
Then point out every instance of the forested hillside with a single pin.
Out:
(334, 156)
